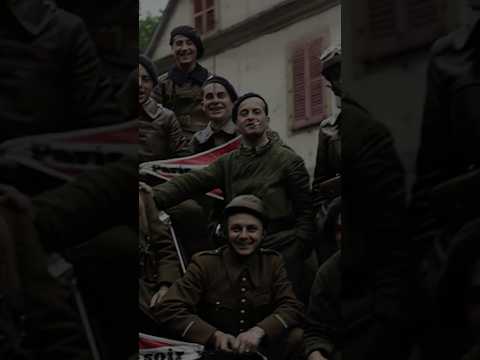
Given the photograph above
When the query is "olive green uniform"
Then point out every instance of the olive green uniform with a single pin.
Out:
(222, 290)
(274, 173)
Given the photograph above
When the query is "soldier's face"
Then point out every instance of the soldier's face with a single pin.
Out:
(252, 122)
(217, 104)
(184, 51)
(145, 84)
(245, 233)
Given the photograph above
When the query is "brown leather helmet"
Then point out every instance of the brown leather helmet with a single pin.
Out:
(249, 204)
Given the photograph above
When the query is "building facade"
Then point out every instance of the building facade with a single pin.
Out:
(267, 46)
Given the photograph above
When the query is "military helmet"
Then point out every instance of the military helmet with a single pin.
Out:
(331, 60)
(249, 204)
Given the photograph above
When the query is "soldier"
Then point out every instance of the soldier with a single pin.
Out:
(266, 167)
(181, 88)
(445, 193)
(51, 80)
(375, 267)
(218, 98)
(326, 184)
(36, 318)
(159, 261)
(159, 133)
(449, 146)
(51, 75)
(236, 298)
(323, 324)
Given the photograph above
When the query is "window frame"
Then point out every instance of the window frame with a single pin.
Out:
(202, 14)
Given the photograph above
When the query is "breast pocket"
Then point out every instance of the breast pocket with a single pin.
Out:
(218, 311)
(261, 304)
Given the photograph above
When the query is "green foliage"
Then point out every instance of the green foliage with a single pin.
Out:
(147, 26)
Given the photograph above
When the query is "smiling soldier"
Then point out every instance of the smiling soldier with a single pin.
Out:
(218, 98)
(180, 89)
(236, 299)
(267, 168)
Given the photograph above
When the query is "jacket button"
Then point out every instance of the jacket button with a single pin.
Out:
(243, 301)
(242, 311)
(217, 303)
(243, 289)
(242, 321)
(244, 279)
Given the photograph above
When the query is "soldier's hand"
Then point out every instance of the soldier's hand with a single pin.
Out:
(248, 341)
(147, 209)
(316, 355)
(157, 297)
(222, 341)
(11, 197)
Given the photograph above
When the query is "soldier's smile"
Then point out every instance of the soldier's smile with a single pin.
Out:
(245, 232)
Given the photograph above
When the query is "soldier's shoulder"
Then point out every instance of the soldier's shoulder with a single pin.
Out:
(455, 40)
(163, 77)
(209, 253)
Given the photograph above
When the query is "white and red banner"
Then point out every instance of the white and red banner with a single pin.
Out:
(156, 348)
(65, 155)
(168, 169)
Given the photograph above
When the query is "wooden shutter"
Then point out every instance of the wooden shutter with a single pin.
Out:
(299, 85)
(308, 84)
(391, 27)
(204, 15)
(317, 108)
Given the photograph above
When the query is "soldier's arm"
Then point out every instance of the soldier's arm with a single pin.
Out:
(92, 99)
(178, 145)
(300, 195)
(435, 128)
(188, 185)
(378, 171)
(177, 309)
(289, 311)
(157, 235)
(321, 170)
(65, 217)
(321, 321)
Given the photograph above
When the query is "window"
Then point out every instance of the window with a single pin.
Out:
(390, 27)
(309, 100)
(204, 15)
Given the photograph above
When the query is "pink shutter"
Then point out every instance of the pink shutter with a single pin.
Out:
(198, 15)
(316, 79)
(299, 84)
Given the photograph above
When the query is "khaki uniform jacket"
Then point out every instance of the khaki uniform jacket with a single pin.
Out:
(182, 93)
(209, 138)
(274, 173)
(220, 291)
(159, 134)
(52, 79)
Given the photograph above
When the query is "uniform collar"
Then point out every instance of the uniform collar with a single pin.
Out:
(152, 108)
(197, 76)
(236, 265)
(228, 128)
(204, 135)
(33, 15)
